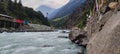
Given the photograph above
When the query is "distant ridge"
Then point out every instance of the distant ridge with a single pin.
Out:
(68, 8)
(45, 9)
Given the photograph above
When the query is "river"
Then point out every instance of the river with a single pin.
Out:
(36, 43)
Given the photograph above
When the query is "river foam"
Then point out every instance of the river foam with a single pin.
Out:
(36, 43)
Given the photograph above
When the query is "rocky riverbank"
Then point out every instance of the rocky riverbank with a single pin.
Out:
(10, 31)
(80, 38)
(105, 41)
(28, 28)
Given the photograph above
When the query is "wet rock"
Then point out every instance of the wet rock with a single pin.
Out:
(78, 37)
(47, 46)
(81, 51)
(62, 37)
(63, 32)
(68, 48)
(75, 33)
(0, 31)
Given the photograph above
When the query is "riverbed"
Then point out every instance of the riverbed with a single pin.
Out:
(36, 43)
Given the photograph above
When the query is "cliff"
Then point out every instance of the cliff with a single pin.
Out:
(107, 40)
(104, 33)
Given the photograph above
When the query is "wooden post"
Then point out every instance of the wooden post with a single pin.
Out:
(20, 26)
(7, 24)
(14, 25)
(0, 24)
(4, 24)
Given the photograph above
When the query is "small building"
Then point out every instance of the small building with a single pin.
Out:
(9, 22)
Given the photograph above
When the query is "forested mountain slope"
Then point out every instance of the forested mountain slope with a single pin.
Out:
(18, 11)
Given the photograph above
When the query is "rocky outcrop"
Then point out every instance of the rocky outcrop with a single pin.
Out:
(113, 5)
(79, 37)
(107, 40)
(103, 31)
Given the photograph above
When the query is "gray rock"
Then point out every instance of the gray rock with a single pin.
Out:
(107, 41)
(78, 37)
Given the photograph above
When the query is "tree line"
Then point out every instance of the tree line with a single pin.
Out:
(18, 11)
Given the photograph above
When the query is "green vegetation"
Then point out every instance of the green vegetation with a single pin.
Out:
(81, 23)
(57, 19)
(18, 11)
(59, 22)
(77, 18)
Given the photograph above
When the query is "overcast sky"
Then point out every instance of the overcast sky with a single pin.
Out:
(51, 3)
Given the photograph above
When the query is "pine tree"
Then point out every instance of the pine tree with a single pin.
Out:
(10, 6)
(20, 3)
(2, 8)
(1, 0)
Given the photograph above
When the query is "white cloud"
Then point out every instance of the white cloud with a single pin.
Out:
(52, 3)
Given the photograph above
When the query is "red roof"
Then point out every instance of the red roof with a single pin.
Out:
(19, 21)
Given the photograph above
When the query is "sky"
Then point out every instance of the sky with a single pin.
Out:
(51, 3)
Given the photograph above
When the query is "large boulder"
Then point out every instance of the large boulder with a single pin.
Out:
(107, 41)
(79, 37)
(75, 33)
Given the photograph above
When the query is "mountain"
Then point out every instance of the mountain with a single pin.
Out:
(58, 22)
(78, 18)
(75, 19)
(18, 11)
(68, 8)
(45, 9)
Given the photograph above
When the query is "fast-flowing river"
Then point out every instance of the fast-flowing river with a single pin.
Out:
(36, 43)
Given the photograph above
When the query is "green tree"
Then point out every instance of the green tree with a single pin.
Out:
(17, 10)
(2, 8)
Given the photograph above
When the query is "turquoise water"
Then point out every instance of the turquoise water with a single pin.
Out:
(36, 43)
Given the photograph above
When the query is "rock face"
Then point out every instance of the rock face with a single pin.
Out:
(113, 5)
(107, 41)
(78, 37)
(103, 31)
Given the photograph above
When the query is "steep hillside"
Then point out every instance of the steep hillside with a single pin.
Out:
(18, 11)
(59, 22)
(68, 8)
(77, 17)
